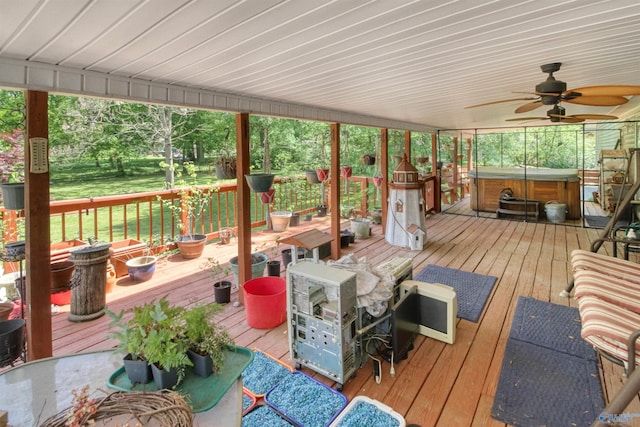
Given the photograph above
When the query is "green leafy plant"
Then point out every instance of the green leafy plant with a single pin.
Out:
(203, 335)
(154, 333)
(218, 271)
(193, 200)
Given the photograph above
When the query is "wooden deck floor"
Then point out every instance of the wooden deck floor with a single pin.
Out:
(440, 384)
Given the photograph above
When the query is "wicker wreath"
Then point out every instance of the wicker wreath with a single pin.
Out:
(164, 407)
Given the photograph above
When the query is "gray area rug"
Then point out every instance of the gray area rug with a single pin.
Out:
(472, 289)
(549, 374)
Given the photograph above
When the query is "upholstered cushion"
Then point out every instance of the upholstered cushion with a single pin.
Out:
(622, 293)
(607, 326)
(622, 269)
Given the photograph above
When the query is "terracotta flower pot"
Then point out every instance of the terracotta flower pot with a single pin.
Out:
(191, 246)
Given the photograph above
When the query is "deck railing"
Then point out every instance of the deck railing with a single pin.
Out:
(146, 216)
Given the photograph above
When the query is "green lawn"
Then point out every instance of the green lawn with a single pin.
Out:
(87, 180)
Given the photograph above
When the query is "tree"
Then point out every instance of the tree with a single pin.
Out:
(12, 110)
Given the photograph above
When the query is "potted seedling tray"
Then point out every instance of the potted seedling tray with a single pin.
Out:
(305, 401)
(202, 393)
(264, 373)
(364, 411)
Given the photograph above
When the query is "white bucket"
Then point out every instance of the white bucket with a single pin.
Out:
(556, 212)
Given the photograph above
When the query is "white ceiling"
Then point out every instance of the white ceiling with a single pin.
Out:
(417, 62)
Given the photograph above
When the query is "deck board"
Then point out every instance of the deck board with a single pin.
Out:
(438, 384)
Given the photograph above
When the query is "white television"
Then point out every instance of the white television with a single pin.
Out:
(438, 306)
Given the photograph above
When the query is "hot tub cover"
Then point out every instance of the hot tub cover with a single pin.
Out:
(532, 174)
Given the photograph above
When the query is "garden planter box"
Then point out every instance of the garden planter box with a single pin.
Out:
(60, 251)
(122, 251)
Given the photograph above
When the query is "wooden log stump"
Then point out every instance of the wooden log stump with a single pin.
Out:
(88, 284)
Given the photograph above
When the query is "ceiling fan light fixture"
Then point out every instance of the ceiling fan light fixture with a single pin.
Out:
(555, 112)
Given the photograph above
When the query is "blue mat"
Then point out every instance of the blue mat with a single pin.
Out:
(472, 290)
(549, 375)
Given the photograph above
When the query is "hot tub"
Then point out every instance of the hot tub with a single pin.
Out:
(543, 185)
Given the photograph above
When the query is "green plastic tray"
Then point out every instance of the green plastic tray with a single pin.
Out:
(202, 393)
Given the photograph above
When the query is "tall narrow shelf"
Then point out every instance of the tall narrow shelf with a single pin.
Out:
(613, 179)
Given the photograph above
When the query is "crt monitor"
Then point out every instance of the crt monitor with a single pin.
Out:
(405, 323)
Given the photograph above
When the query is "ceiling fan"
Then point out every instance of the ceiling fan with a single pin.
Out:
(558, 114)
(553, 92)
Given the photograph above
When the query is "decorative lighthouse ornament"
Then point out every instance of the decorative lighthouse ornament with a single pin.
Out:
(405, 216)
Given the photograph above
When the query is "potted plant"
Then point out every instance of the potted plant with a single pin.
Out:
(273, 265)
(226, 165)
(207, 341)
(258, 263)
(225, 235)
(164, 346)
(221, 287)
(142, 267)
(12, 170)
(368, 159)
(190, 207)
(131, 334)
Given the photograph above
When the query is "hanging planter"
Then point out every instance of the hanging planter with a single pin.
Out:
(377, 181)
(322, 174)
(13, 195)
(266, 197)
(368, 159)
(226, 167)
(346, 172)
(260, 182)
(312, 176)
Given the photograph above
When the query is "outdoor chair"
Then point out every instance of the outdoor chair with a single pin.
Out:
(608, 293)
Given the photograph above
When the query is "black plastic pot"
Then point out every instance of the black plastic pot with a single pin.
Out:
(163, 378)
(11, 340)
(273, 268)
(294, 221)
(286, 256)
(222, 292)
(138, 371)
(202, 364)
(322, 210)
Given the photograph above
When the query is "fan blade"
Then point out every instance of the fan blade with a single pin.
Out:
(571, 120)
(594, 116)
(610, 90)
(583, 117)
(528, 107)
(521, 119)
(598, 101)
(498, 102)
